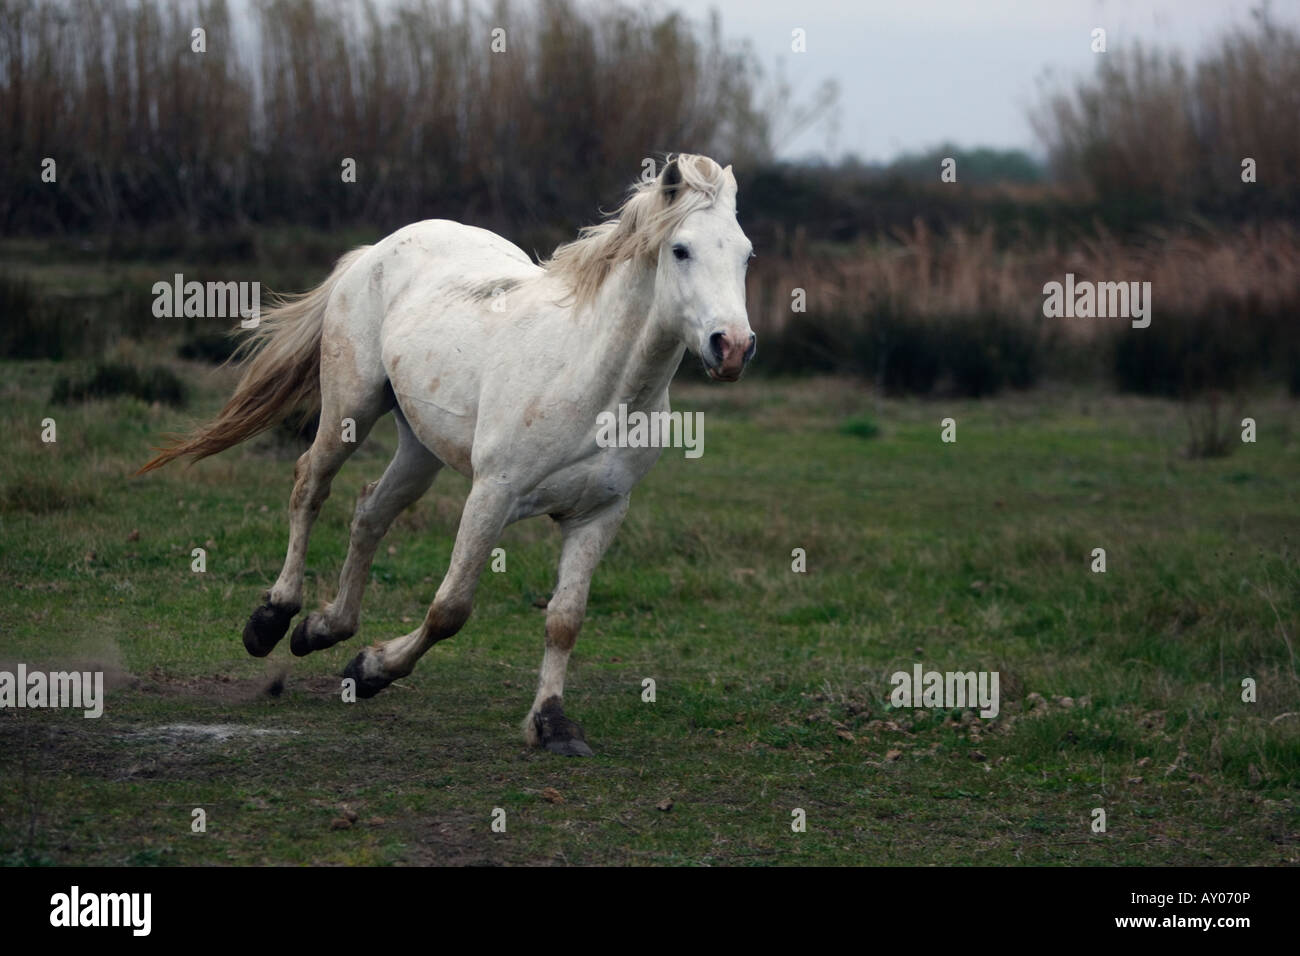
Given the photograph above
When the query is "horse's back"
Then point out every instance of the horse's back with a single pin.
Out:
(431, 278)
(443, 248)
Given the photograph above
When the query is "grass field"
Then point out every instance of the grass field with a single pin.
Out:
(1120, 691)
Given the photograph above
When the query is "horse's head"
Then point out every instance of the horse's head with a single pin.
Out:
(683, 225)
(700, 276)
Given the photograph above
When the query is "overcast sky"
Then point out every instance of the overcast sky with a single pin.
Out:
(915, 73)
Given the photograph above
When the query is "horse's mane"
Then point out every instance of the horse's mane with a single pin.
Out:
(653, 211)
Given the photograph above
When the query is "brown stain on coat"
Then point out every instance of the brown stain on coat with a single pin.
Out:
(531, 412)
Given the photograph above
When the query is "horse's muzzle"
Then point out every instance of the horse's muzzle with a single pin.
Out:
(728, 355)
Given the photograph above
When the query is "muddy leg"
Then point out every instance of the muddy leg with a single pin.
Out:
(486, 512)
(585, 542)
(407, 477)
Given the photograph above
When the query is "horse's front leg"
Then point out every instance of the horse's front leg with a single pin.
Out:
(585, 541)
(487, 510)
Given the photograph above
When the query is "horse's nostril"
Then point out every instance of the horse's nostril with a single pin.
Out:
(716, 342)
(753, 346)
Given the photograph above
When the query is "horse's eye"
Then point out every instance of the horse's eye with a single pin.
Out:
(681, 252)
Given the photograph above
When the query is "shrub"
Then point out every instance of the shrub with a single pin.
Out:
(1213, 431)
(111, 380)
(902, 353)
(1222, 348)
(987, 354)
(907, 354)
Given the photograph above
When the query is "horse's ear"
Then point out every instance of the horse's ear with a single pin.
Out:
(727, 194)
(670, 180)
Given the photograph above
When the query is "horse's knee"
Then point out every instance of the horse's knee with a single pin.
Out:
(562, 628)
(313, 475)
(309, 493)
(367, 527)
(301, 480)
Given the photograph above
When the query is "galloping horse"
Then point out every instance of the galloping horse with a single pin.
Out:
(499, 368)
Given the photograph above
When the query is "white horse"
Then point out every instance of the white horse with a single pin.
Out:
(499, 368)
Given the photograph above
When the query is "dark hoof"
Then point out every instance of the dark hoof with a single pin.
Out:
(306, 639)
(558, 733)
(300, 642)
(366, 686)
(266, 627)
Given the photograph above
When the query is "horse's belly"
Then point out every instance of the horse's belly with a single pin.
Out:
(436, 385)
(588, 485)
(446, 432)
(442, 417)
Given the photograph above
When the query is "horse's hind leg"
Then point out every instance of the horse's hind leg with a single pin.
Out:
(312, 476)
(585, 541)
(406, 478)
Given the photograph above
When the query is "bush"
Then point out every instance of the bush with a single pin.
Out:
(985, 355)
(1222, 348)
(905, 354)
(1212, 428)
(901, 353)
(111, 380)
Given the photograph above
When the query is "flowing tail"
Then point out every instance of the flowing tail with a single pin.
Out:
(282, 373)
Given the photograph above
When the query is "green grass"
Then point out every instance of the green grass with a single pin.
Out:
(772, 688)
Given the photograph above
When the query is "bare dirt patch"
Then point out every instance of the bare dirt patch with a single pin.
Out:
(228, 690)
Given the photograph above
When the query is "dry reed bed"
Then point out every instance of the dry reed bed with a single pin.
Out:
(965, 274)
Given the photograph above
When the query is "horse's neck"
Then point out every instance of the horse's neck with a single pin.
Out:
(632, 355)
